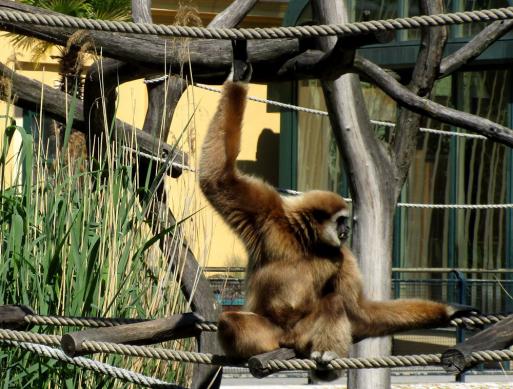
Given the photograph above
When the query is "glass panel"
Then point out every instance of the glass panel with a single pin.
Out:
(424, 231)
(374, 9)
(444, 170)
(482, 171)
(319, 165)
(411, 8)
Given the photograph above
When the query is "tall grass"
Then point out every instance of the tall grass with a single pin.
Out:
(76, 242)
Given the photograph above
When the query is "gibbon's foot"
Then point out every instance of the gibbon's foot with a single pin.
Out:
(323, 358)
(460, 310)
(241, 67)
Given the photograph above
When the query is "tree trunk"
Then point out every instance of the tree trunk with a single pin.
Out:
(371, 182)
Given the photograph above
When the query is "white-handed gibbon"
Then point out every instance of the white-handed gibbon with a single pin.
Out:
(303, 285)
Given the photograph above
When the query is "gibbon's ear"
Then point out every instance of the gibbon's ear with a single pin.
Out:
(241, 68)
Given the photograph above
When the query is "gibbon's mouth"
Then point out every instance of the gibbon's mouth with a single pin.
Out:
(343, 232)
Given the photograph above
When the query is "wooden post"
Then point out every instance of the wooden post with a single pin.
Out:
(496, 337)
(12, 316)
(148, 332)
(257, 364)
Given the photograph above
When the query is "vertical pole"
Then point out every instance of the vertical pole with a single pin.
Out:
(453, 181)
(462, 299)
(288, 143)
(509, 199)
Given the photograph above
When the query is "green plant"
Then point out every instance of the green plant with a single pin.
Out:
(76, 242)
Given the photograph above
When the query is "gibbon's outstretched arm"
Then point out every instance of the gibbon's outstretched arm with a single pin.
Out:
(242, 200)
(380, 318)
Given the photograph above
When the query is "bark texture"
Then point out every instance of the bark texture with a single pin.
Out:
(372, 186)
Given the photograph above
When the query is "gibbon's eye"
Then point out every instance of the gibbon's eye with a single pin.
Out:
(320, 215)
(342, 220)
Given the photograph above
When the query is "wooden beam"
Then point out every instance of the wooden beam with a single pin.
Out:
(146, 332)
(12, 316)
(258, 363)
(496, 337)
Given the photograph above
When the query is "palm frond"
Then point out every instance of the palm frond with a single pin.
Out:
(110, 9)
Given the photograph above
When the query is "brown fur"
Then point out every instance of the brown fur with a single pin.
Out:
(301, 292)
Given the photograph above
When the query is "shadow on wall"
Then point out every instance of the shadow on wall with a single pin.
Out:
(266, 165)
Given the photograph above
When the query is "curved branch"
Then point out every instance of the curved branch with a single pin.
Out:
(233, 14)
(404, 97)
(475, 47)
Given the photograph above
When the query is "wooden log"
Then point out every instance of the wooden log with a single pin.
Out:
(147, 332)
(496, 337)
(12, 316)
(257, 364)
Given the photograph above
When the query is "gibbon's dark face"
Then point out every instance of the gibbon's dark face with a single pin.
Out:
(335, 228)
(331, 214)
(327, 213)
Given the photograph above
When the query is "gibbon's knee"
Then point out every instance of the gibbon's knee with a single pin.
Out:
(244, 334)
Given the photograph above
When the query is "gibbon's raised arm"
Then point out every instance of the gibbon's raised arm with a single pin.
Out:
(242, 200)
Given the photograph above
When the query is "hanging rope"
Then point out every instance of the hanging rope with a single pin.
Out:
(347, 29)
(89, 364)
(323, 113)
(426, 206)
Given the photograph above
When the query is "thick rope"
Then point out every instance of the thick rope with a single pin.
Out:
(97, 322)
(455, 206)
(276, 365)
(347, 29)
(272, 365)
(78, 321)
(89, 364)
(470, 321)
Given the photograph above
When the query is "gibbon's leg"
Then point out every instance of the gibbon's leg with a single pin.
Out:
(323, 335)
(380, 318)
(244, 334)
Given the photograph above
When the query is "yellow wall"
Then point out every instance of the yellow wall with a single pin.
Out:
(213, 243)
(45, 71)
(212, 239)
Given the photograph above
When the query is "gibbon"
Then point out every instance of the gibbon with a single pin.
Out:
(304, 288)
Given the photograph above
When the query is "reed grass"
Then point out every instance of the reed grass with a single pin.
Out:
(75, 241)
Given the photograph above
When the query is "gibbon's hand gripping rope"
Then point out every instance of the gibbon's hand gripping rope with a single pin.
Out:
(347, 29)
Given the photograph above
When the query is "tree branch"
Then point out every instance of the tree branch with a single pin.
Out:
(141, 11)
(210, 61)
(432, 45)
(330, 64)
(475, 47)
(233, 14)
(30, 94)
(410, 100)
